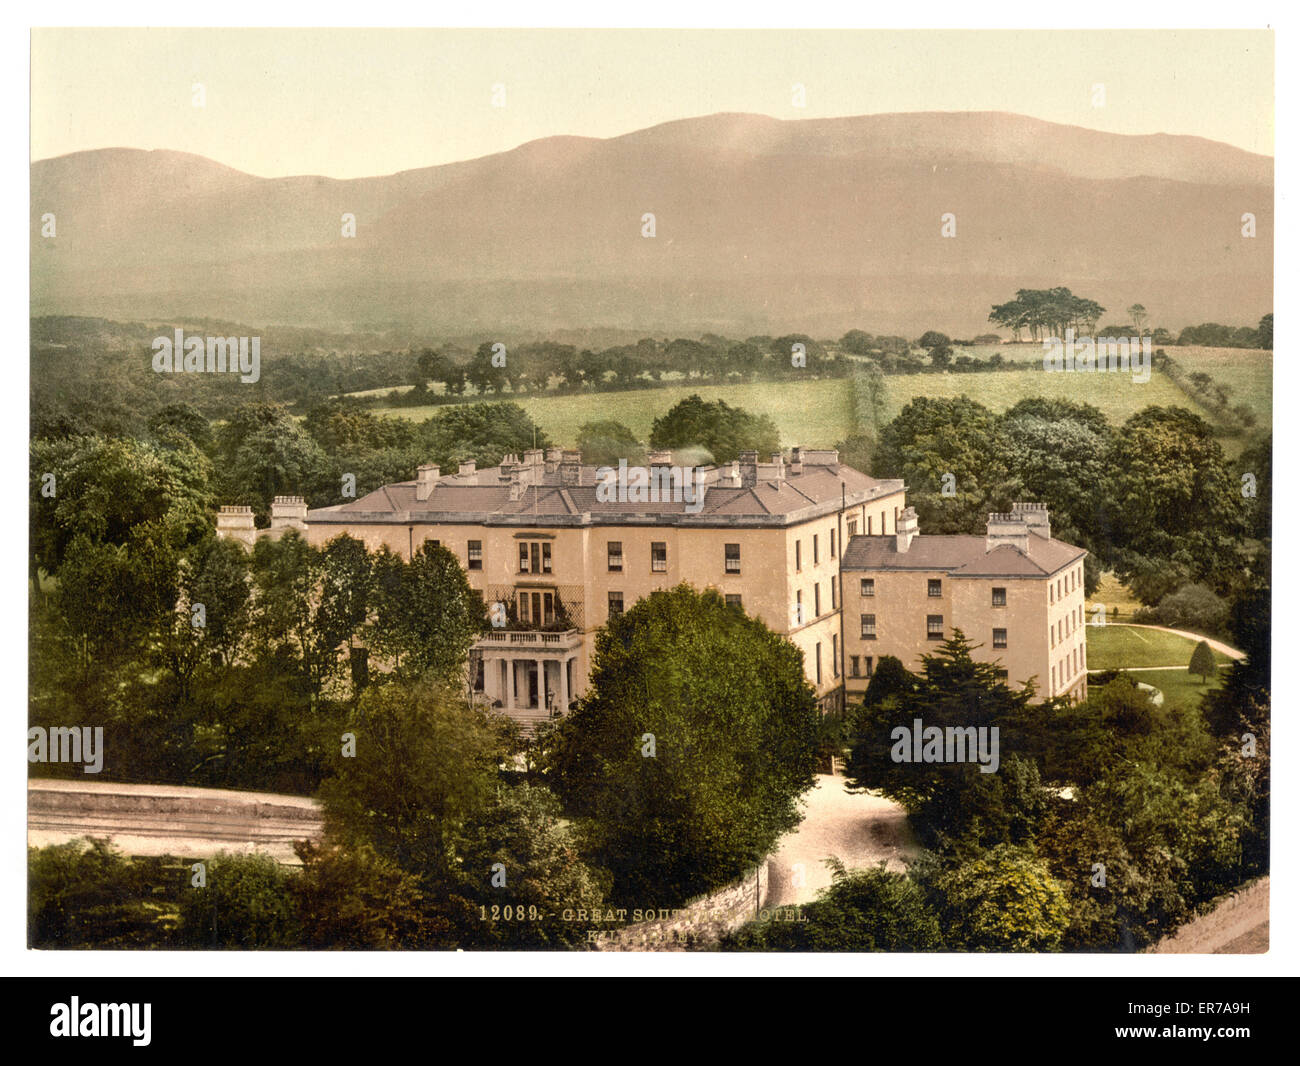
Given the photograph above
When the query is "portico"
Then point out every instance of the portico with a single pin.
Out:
(530, 670)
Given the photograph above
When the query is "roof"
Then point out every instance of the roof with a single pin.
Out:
(483, 497)
(961, 555)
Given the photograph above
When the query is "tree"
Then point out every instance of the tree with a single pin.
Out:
(425, 762)
(1203, 662)
(956, 799)
(604, 443)
(353, 899)
(941, 356)
(243, 903)
(867, 910)
(1138, 314)
(426, 614)
(931, 439)
(934, 339)
(718, 428)
(686, 756)
(483, 432)
(1004, 900)
(1265, 331)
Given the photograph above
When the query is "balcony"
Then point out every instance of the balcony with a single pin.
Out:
(525, 639)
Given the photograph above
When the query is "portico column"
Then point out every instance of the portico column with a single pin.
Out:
(564, 686)
(510, 683)
(541, 684)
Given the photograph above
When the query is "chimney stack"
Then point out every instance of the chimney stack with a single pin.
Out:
(1007, 529)
(289, 512)
(426, 477)
(796, 461)
(1035, 517)
(516, 483)
(906, 530)
(554, 456)
(748, 468)
(570, 467)
(236, 523)
(468, 467)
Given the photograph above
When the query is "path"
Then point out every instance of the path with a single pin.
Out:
(1238, 925)
(860, 829)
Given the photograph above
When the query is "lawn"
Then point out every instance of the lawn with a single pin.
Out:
(1113, 595)
(1247, 374)
(1117, 647)
(1179, 687)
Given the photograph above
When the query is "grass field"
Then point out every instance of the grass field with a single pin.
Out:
(815, 414)
(1179, 687)
(1111, 594)
(818, 413)
(1113, 647)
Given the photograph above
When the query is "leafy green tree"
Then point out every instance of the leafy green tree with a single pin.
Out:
(1003, 900)
(688, 753)
(1172, 505)
(950, 799)
(521, 854)
(244, 903)
(933, 438)
(426, 614)
(353, 899)
(483, 432)
(605, 443)
(1203, 662)
(720, 429)
(867, 910)
(1265, 331)
(86, 893)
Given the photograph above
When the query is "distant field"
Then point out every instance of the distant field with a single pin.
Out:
(818, 413)
(1117, 647)
(815, 414)
(1246, 372)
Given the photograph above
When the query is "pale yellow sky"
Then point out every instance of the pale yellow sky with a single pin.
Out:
(351, 103)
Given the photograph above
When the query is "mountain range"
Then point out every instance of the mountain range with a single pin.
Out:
(760, 226)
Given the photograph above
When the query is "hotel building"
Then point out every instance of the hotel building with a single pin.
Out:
(820, 552)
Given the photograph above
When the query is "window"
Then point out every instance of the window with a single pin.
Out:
(819, 662)
(868, 627)
(615, 604)
(1001, 675)
(869, 525)
(1050, 597)
(475, 555)
(934, 627)
(798, 555)
(832, 544)
(936, 587)
(999, 638)
(855, 665)
(1053, 678)
(815, 554)
(853, 527)
(616, 556)
(537, 608)
(733, 600)
(817, 600)
(868, 662)
(835, 655)
(868, 586)
(798, 607)
(534, 557)
(999, 597)
(731, 558)
(659, 556)
(834, 604)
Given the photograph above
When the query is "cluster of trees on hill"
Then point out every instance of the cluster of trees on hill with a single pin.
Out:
(1047, 313)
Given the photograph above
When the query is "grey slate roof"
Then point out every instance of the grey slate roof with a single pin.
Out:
(961, 556)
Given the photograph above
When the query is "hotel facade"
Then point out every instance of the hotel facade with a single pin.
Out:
(818, 551)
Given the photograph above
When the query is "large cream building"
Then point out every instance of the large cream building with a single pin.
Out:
(556, 547)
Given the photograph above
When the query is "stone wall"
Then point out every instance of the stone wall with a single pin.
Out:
(698, 924)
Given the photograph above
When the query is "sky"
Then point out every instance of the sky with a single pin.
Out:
(352, 103)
